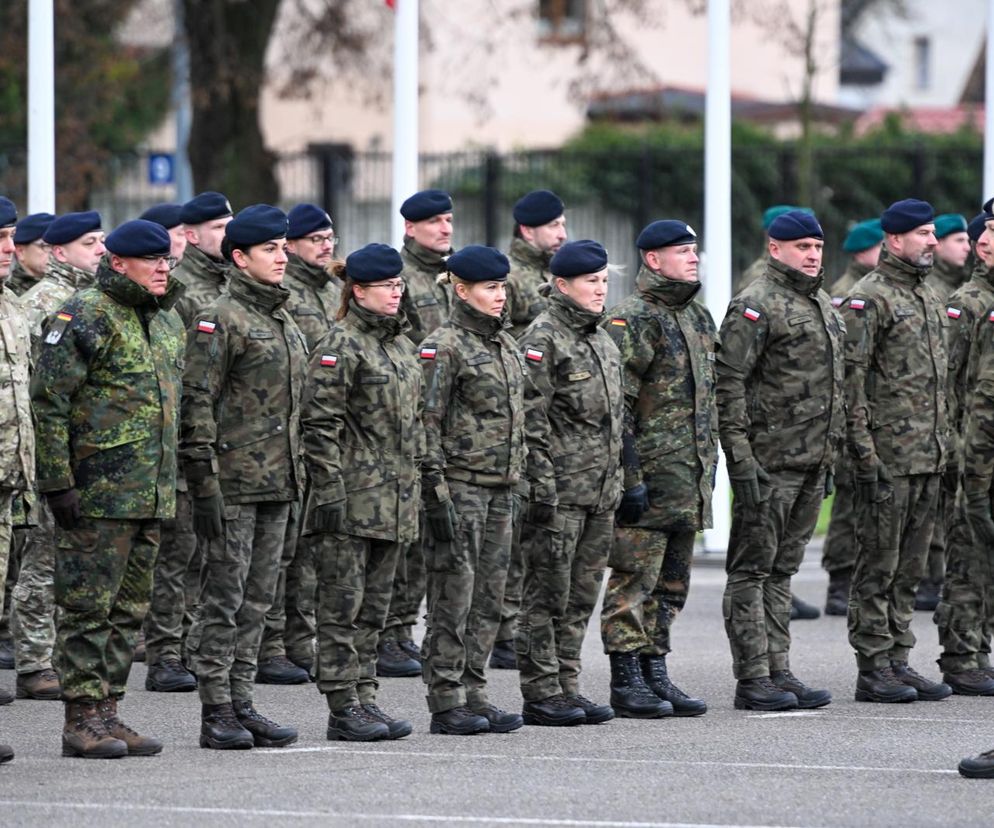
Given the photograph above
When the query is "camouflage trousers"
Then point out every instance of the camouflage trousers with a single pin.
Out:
(965, 615)
(238, 583)
(564, 568)
(409, 588)
(515, 582)
(171, 612)
(465, 592)
(893, 546)
(103, 584)
(19, 536)
(765, 549)
(840, 542)
(6, 535)
(355, 583)
(33, 618)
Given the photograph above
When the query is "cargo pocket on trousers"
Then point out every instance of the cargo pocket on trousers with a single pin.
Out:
(74, 589)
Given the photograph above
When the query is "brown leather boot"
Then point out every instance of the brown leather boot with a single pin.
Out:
(85, 733)
(138, 745)
(42, 684)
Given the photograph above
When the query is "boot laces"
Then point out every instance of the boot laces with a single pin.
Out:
(375, 711)
(108, 715)
(360, 713)
(248, 711)
(888, 676)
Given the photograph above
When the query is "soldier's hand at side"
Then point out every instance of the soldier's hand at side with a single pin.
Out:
(65, 508)
(541, 514)
(634, 503)
(441, 519)
(746, 477)
(329, 518)
(874, 483)
(829, 483)
(978, 511)
(208, 514)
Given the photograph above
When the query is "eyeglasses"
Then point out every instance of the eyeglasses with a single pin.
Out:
(322, 238)
(393, 287)
(169, 260)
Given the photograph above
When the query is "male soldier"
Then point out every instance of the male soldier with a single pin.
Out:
(287, 650)
(864, 242)
(758, 267)
(168, 215)
(896, 393)
(176, 585)
(427, 246)
(16, 433)
(781, 418)
(106, 394)
(31, 252)
(667, 343)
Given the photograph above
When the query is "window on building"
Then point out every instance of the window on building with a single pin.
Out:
(562, 21)
(923, 63)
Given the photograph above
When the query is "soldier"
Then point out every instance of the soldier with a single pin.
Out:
(781, 417)
(31, 252)
(240, 446)
(427, 246)
(286, 654)
(363, 442)
(573, 400)
(963, 616)
(864, 242)
(176, 586)
(105, 394)
(17, 468)
(667, 343)
(168, 215)
(758, 267)
(474, 429)
(896, 393)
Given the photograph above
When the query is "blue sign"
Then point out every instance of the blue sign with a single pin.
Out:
(161, 168)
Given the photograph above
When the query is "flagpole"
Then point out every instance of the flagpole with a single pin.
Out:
(405, 110)
(41, 107)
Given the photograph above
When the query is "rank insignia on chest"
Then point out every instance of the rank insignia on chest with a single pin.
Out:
(329, 360)
(751, 314)
(534, 355)
(954, 313)
(857, 304)
(428, 353)
(59, 325)
(621, 323)
(204, 326)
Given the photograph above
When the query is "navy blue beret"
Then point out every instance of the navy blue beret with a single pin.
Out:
(205, 206)
(426, 204)
(8, 212)
(538, 207)
(71, 226)
(905, 215)
(373, 263)
(476, 263)
(168, 215)
(139, 237)
(305, 219)
(977, 225)
(578, 258)
(988, 205)
(665, 233)
(32, 227)
(256, 224)
(796, 224)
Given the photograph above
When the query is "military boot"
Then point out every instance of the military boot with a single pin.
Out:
(6, 697)
(6, 753)
(221, 730)
(138, 745)
(631, 697)
(974, 767)
(656, 676)
(458, 721)
(42, 685)
(169, 676)
(503, 656)
(802, 610)
(280, 670)
(762, 694)
(6, 654)
(970, 683)
(807, 697)
(884, 687)
(356, 724)
(837, 598)
(393, 662)
(928, 594)
(265, 732)
(593, 712)
(927, 689)
(85, 734)
(409, 647)
(500, 720)
(554, 711)
(139, 653)
(396, 728)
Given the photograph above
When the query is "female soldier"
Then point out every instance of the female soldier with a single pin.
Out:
(574, 405)
(240, 444)
(474, 429)
(363, 442)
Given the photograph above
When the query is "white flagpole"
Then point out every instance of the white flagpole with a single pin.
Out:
(405, 110)
(41, 107)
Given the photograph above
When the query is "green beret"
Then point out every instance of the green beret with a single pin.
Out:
(863, 236)
(771, 214)
(949, 223)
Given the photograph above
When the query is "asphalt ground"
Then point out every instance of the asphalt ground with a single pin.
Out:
(849, 764)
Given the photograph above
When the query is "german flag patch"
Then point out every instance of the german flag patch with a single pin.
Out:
(621, 323)
(60, 322)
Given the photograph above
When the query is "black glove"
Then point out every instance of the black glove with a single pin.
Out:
(65, 508)
(541, 514)
(874, 484)
(208, 514)
(634, 503)
(441, 519)
(978, 512)
(829, 483)
(329, 518)
(746, 477)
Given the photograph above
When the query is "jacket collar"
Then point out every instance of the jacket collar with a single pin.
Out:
(312, 275)
(794, 279)
(672, 293)
(427, 259)
(529, 256)
(466, 316)
(129, 293)
(569, 312)
(267, 298)
(202, 263)
(377, 324)
(900, 270)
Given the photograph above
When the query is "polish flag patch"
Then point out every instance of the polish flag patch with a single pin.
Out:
(428, 353)
(751, 314)
(837, 301)
(204, 326)
(857, 304)
(329, 360)
(954, 313)
(990, 317)
(533, 354)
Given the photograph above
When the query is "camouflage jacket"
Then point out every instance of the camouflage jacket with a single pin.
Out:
(945, 278)
(314, 298)
(361, 419)
(106, 394)
(978, 406)
(896, 370)
(529, 271)
(60, 281)
(20, 281)
(842, 287)
(245, 367)
(667, 343)
(205, 279)
(474, 403)
(752, 273)
(425, 303)
(781, 372)
(573, 407)
(17, 438)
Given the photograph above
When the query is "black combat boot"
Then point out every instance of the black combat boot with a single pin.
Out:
(503, 656)
(6, 654)
(762, 694)
(884, 687)
(355, 724)
(500, 720)
(6, 697)
(409, 647)
(554, 711)
(593, 712)
(169, 676)
(6, 753)
(631, 697)
(221, 730)
(656, 676)
(807, 697)
(458, 721)
(927, 689)
(802, 610)
(970, 683)
(265, 732)
(394, 662)
(280, 670)
(837, 598)
(396, 728)
(978, 767)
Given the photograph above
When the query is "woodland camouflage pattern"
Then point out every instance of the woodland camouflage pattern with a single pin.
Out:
(61, 280)
(314, 298)
(205, 279)
(529, 271)
(425, 303)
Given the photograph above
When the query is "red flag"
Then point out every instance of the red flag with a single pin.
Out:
(390, 3)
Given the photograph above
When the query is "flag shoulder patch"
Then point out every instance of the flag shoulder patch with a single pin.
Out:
(620, 322)
(534, 354)
(751, 314)
(953, 313)
(329, 360)
(428, 352)
(857, 304)
(206, 326)
(59, 325)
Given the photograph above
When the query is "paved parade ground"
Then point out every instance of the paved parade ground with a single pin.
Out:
(845, 765)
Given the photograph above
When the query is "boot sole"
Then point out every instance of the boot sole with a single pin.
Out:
(867, 696)
(596, 720)
(976, 773)
(744, 704)
(505, 728)
(812, 705)
(628, 713)
(339, 736)
(25, 694)
(78, 754)
(545, 721)
(502, 665)
(275, 743)
(932, 696)
(688, 714)
(399, 732)
(281, 681)
(155, 687)
(441, 730)
(962, 691)
(234, 744)
(394, 673)
(154, 751)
